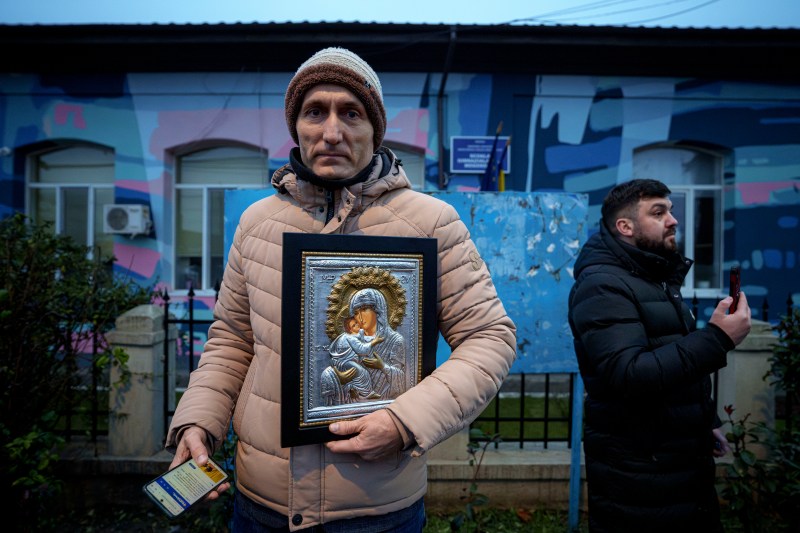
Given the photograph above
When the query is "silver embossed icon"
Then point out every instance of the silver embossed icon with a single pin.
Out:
(361, 333)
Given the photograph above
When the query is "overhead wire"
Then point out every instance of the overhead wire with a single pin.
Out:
(584, 9)
(546, 18)
(674, 14)
(575, 9)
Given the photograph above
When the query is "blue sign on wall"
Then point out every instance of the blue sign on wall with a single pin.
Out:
(470, 155)
(529, 241)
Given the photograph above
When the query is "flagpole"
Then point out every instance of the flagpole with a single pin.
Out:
(488, 173)
(501, 174)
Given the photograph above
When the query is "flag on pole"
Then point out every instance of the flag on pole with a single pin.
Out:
(501, 175)
(489, 181)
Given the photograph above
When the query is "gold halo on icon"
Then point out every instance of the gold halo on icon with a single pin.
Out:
(364, 278)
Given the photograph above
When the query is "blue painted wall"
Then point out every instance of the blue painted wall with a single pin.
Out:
(570, 134)
(529, 242)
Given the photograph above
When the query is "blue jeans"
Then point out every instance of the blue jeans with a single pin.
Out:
(250, 517)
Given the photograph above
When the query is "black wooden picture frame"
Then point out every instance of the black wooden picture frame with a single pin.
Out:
(358, 327)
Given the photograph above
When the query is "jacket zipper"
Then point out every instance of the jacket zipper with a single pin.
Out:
(330, 200)
(676, 303)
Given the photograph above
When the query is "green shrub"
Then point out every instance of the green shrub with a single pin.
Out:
(55, 305)
(470, 518)
(762, 494)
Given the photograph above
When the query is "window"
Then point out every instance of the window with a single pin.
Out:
(695, 177)
(413, 163)
(67, 187)
(202, 178)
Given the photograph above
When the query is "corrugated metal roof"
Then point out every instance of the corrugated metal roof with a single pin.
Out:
(512, 49)
(400, 23)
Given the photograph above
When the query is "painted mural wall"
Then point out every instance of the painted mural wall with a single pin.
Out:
(529, 242)
(583, 132)
(572, 134)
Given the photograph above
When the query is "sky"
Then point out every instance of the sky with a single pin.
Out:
(665, 13)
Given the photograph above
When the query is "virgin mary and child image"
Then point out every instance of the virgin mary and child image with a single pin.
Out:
(367, 354)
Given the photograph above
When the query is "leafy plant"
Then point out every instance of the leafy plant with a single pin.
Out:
(474, 500)
(56, 303)
(511, 521)
(784, 370)
(763, 493)
(746, 477)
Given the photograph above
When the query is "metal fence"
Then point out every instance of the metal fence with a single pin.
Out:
(528, 395)
(764, 307)
(86, 418)
(185, 325)
(531, 408)
(510, 415)
(536, 408)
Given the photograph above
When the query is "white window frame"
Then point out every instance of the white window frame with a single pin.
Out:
(32, 183)
(207, 284)
(690, 192)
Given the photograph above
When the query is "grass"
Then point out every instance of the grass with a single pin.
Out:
(507, 521)
(214, 517)
(532, 410)
(206, 519)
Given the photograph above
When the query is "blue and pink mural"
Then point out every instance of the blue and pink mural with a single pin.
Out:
(573, 134)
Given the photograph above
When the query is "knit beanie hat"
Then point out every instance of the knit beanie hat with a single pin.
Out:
(338, 66)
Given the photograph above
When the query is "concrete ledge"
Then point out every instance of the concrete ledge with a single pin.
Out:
(84, 464)
(95, 479)
(509, 478)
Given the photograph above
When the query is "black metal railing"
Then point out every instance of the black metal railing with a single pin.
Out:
(764, 306)
(189, 324)
(783, 404)
(82, 414)
(517, 428)
(522, 427)
(543, 394)
(525, 401)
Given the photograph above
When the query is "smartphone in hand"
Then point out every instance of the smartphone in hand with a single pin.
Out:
(183, 486)
(735, 287)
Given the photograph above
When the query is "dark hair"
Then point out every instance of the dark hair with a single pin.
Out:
(346, 321)
(621, 201)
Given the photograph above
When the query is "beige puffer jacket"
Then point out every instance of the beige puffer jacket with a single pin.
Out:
(239, 372)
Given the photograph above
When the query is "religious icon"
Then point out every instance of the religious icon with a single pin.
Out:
(368, 354)
(359, 338)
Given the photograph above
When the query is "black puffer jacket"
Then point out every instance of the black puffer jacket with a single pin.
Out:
(648, 410)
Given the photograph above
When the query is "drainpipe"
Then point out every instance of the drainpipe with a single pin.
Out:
(443, 179)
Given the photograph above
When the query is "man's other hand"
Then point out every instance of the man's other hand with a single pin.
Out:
(374, 436)
(721, 444)
(193, 445)
(735, 325)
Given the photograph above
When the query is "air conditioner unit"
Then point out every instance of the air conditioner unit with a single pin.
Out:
(132, 219)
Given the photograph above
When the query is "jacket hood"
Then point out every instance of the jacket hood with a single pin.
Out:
(603, 248)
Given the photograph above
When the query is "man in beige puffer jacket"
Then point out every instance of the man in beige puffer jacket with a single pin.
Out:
(339, 181)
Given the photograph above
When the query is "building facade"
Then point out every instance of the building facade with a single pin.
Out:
(127, 137)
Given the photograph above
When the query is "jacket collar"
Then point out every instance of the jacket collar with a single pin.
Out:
(383, 174)
(603, 247)
(304, 173)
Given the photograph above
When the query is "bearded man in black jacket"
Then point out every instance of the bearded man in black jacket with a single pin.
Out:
(650, 432)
